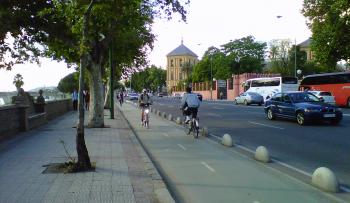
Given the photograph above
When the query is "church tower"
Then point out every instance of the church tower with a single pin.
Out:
(178, 62)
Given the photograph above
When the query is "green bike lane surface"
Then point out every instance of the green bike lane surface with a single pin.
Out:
(200, 170)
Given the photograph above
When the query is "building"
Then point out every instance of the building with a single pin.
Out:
(306, 46)
(180, 61)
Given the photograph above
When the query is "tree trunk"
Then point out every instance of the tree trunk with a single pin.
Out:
(83, 154)
(96, 114)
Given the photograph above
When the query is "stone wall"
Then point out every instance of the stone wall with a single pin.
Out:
(16, 118)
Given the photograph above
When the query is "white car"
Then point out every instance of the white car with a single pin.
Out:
(327, 97)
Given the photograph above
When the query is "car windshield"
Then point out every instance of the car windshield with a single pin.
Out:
(304, 97)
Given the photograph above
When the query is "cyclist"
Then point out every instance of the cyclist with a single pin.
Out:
(144, 101)
(190, 104)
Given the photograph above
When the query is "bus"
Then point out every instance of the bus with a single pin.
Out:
(336, 83)
(267, 87)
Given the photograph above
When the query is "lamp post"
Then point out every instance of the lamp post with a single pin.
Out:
(211, 77)
(295, 51)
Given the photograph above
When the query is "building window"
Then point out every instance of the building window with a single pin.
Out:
(171, 75)
(171, 63)
(180, 62)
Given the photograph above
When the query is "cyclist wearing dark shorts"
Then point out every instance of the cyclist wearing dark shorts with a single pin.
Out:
(144, 101)
(190, 104)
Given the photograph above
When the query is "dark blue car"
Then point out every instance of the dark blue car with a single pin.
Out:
(303, 107)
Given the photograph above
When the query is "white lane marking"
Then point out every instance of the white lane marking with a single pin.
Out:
(219, 108)
(256, 201)
(161, 104)
(344, 114)
(270, 126)
(182, 147)
(171, 106)
(214, 115)
(208, 167)
(165, 134)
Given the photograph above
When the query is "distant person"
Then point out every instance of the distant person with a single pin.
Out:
(221, 95)
(121, 98)
(40, 99)
(87, 99)
(40, 102)
(75, 100)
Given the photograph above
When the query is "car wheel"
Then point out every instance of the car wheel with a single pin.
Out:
(270, 115)
(335, 122)
(235, 102)
(260, 104)
(246, 103)
(348, 103)
(300, 118)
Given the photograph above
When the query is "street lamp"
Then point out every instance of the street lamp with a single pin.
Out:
(211, 77)
(295, 51)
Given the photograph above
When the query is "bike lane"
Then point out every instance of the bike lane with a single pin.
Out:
(198, 170)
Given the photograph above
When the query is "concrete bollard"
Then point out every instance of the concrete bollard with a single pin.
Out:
(178, 120)
(227, 140)
(262, 154)
(205, 131)
(159, 113)
(163, 115)
(170, 117)
(325, 179)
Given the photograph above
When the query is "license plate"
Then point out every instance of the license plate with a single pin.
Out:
(329, 115)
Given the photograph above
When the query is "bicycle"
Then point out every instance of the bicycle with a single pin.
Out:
(193, 127)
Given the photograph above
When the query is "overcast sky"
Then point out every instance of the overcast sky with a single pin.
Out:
(209, 23)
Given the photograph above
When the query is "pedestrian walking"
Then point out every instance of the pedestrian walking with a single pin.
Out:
(87, 99)
(75, 100)
(121, 98)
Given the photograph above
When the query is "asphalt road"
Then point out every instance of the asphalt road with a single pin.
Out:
(303, 147)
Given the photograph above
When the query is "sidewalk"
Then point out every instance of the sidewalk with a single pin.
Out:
(200, 170)
(123, 173)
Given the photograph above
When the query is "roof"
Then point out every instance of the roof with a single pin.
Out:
(182, 50)
(306, 43)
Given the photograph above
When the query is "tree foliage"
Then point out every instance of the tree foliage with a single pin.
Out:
(69, 83)
(151, 78)
(238, 56)
(329, 21)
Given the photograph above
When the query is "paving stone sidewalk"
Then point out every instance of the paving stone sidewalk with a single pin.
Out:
(123, 173)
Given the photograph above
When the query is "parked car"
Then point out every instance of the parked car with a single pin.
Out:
(248, 98)
(327, 97)
(304, 107)
(133, 96)
(160, 94)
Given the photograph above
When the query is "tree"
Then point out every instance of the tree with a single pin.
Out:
(280, 60)
(18, 81)
(151, 78)
(329, 22)
(245, 55)
(69, 83)
(81, 32)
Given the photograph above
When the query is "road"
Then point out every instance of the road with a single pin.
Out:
(303, 147)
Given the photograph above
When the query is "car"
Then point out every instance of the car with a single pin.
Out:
(248, 98)
(327, 97)
(304, 107)
(160, 94)
(133, 96)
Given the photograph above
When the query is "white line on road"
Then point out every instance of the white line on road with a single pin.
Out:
(270, 126)
(219, 108)
(344, 114)
(171, 106)
(165, 134)
(182, 147)
(214, 115)
(208, 167)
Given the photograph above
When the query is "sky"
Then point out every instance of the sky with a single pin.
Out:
(209, 23)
